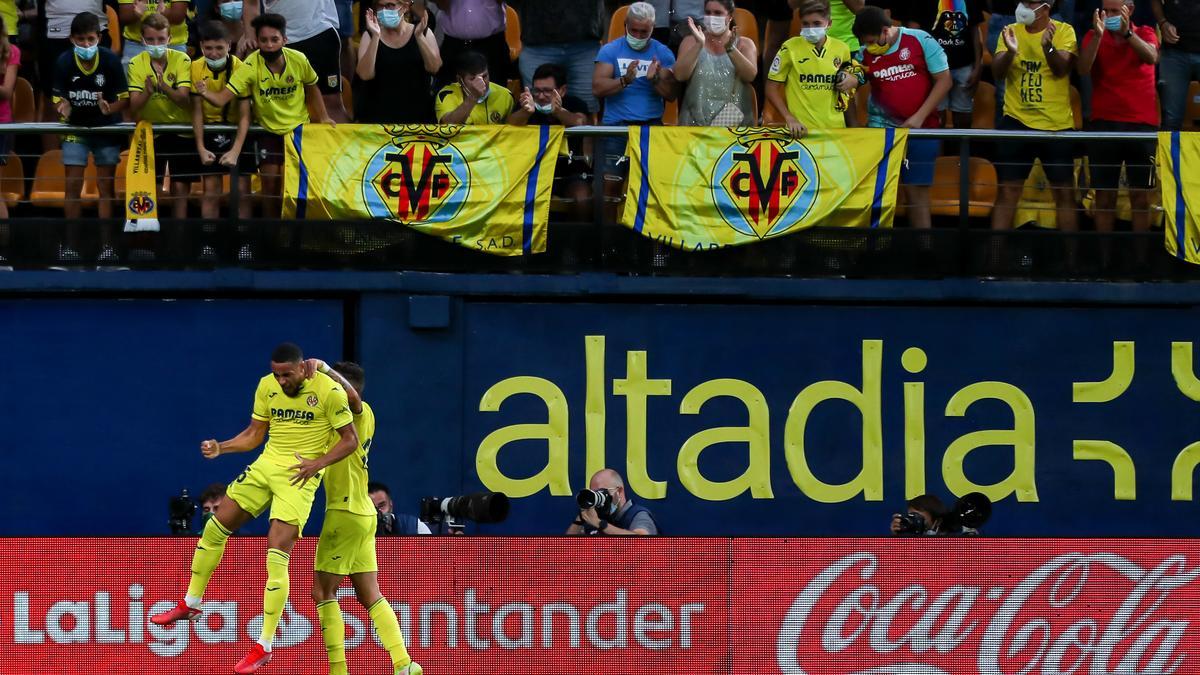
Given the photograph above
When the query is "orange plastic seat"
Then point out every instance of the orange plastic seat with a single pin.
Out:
(50, 182)
(114, 29)
(616, 27)
(747, 25)
(983, 115)
(12, 181)
(24, 102)
(944, 194)
(512, 32)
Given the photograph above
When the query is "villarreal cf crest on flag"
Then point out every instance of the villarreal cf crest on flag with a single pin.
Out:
(704, 188)
(486, 187)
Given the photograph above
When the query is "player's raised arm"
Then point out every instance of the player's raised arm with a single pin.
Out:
(250, 438)
(353, 397)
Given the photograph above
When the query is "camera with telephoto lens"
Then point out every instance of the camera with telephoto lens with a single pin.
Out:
(912, 524)
(969, 514)
(180, 511)
(600, 500)
(481, 507)
(385, 523)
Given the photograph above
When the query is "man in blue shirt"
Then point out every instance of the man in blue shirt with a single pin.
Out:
(633, 76)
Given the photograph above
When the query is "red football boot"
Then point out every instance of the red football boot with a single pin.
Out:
(257, 658)
(180, 612)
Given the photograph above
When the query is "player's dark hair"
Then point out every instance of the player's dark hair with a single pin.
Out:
(212, 492)
(869, 22)
(213, 30)
(378, 487)
(471, 63)
(353, 373)
(84, 23)
(275, 21)
(287, 352)
(551, 70)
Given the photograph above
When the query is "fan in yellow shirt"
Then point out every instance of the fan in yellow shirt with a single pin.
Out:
(160, 87)
(347, 544)
(283, 85)
(297, 415)
(218, 152)
(474, 99)
(803, 81)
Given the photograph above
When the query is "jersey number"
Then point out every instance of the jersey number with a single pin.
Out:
(366, 451)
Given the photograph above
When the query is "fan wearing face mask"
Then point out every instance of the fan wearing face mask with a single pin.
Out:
(130, 14)
(718, 66)
(808, 74)
(1034, 58)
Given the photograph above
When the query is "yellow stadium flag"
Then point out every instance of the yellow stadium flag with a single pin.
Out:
(483, 187)
(141, 198)
(700, 188)
(1179, 175)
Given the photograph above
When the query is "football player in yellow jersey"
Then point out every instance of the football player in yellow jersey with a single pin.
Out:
(297, 415)
(347, 544)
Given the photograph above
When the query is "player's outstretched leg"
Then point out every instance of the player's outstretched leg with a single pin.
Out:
(280, 538)
(205, 560)
(366, 587)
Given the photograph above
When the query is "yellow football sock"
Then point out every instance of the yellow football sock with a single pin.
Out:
(276, 594)
(384, 618)
(208, 554)
(333, 628)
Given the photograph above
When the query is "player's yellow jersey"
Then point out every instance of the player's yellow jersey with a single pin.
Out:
(278, 99)
(215, 81)
(301, 423)
(160, 109)
(346, 481)
(808, 75)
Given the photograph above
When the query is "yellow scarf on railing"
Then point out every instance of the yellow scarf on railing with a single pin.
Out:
(141, 196)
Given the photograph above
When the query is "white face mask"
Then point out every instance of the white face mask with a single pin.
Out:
(1025, 15)
(716, 24)
(814, 34)
(544, 109)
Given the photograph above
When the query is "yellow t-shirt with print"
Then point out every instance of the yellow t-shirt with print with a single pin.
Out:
(230, 112)
(1033, 96)
(495, 109)
(160, 109)
(808, 76)
(279, 103)
(346, 481)
(300, 424)
(133, 31)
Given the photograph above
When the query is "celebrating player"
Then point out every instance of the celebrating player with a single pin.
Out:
(347, 544)
(298, 415)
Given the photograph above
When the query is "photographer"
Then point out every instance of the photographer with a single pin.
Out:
(924, 517)
(927, 516)
(390, 522)
(613, 513)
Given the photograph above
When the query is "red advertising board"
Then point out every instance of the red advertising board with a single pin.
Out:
(560, 605)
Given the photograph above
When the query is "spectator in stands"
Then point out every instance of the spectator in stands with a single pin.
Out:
(349, 56)
(391, 522)
(56, 41)
(229, 13)
(220, 151)
(282, 85)
(564, 33)
(623, 517)
(1179, 21)
(633, 76)
(1120, 57)
(806, 71)
(90, 90)
(1003, 13)
(548, 103)
(1035, 58)
(957, 31)
(10, 62)
(719, 66)
(313, 30)
(474, 98)
(396, 55)
(910, 78)
(160, 87)
(474, 26)
(130, 13)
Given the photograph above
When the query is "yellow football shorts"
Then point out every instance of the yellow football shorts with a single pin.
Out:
(265, 483)
(347, 544)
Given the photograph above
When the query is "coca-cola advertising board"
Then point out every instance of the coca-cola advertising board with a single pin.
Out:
(666, 605)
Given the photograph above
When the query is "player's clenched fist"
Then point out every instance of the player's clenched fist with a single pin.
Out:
(210, 449)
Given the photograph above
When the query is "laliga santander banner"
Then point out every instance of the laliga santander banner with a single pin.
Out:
(484, 187)
(650, 605)
(700, 188)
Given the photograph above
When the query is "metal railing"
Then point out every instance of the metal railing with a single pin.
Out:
(954, 247)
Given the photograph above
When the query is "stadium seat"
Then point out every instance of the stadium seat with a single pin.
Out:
(512, 32)
(616, 27)
(24, 102)
(12, 182)
(50, 182)
(119, 182)
(944, 195)
(984, 115)
(747, 26)
(671, 114)
(114, 29)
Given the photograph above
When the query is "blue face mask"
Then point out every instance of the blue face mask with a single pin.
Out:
(156, 51)
(1112, 23)
(86, 53)
(232, 10)
(389, 18)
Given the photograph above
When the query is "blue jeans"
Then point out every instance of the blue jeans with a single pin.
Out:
(1177, 69)
(996, 24)
(578, 58)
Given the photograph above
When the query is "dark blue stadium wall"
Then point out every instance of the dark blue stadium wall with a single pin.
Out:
(743, 408)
